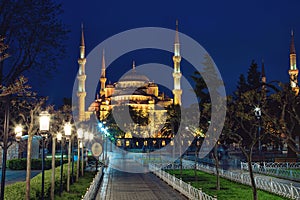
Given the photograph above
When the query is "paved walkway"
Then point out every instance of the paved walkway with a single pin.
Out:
(120, 185)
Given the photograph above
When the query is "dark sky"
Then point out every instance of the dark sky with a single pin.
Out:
(233, 32)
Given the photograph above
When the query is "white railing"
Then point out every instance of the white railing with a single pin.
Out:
(295, 165)
(263, 183)
(286, 165)
(93, 189)
(179, 185)
(284, 170)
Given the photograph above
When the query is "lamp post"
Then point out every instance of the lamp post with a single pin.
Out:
(81, 146)
(4, 148)
(60, 139)
(68, 132)
(53, 167)
(106, 140)
(90, 138)
(18, 132)
(44, 128)
(86, 137)
(79, 137)
(72, 149)
(257, 112)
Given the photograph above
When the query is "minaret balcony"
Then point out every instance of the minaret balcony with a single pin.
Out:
(81, 61)
(176, 59)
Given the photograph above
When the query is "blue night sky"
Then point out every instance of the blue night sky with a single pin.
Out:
(233, 32)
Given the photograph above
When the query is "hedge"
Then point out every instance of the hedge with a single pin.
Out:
(36, 164)
(17, 190)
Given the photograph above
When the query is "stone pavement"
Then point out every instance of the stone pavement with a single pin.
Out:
(13, 176)
(118, 185)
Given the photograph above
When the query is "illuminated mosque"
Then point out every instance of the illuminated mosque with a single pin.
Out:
(133, 89)
(147, 97)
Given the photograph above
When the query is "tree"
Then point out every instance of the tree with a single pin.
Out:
(253, 76)
(35, 36)
(59, 118)
(242, 86)
(283, 117)
(253, 80)
(242, 127)
(29, 110)
(204, 94)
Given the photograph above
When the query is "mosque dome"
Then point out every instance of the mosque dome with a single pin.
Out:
(133, 75)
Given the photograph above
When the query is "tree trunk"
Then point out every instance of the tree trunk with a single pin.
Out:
(53, 168)
(195, 168)
(217, 166)
(69, 163)
(28, 169)
(180, 166)
(78, 160)
(253, 184)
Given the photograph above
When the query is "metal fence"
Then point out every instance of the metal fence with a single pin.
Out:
(263, 183)
(179, 185)
(284, 170)
(93, 189)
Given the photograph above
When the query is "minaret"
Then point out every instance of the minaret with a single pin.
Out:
(133, 66)
(263, 81)
(177, 74)
(81, 79)
(103, 78)
(293, 72)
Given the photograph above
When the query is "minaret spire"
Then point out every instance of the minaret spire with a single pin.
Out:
(263, 80)
(133, 65)
(292, 46)
(81, 94)
(263, 74)
(103, 65)
(82, 36)
(293, 72)
(177, 74)
(103, 76)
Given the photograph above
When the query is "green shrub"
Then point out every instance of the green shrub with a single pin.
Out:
(17, 190)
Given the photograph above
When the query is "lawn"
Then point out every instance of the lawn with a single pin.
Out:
(78, 189)
(229, 190)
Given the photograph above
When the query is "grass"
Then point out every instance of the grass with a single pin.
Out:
(78, 189)
(229, 190)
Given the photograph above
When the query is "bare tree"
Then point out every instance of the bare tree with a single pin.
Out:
(35, 36)
(242, 127)
(29, 110)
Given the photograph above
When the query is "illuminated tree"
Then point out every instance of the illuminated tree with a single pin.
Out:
(283, 117)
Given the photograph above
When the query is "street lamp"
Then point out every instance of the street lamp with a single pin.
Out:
(60, 139)
(81, 146)
(68, 132)
(79, 137)
(18, 132)
(257, 112)
(44, 128)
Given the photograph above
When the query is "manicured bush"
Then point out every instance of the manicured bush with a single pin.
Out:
(17, 190)
(78, 189)
(36, 164)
